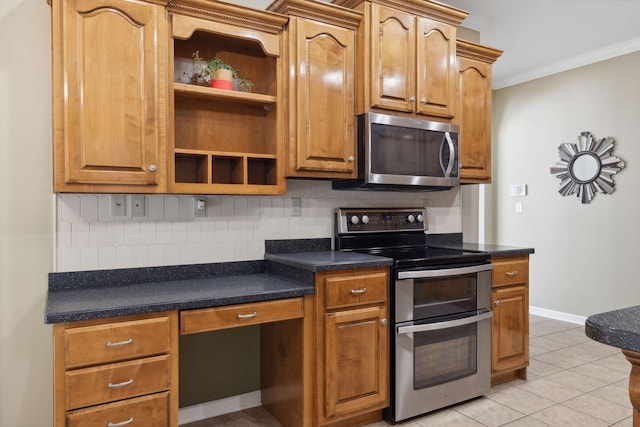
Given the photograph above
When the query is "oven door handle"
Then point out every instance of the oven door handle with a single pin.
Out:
(419, 274)
(444, 325)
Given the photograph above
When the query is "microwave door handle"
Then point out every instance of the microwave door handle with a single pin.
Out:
(444, 325)
(449, 168)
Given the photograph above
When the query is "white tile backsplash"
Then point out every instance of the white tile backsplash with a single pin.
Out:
(234, 229)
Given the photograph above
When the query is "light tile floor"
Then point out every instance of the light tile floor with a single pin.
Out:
(572, 381)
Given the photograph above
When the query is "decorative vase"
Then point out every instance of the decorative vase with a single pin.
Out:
(222, 79)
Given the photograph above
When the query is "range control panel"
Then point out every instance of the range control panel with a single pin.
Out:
(372, 220)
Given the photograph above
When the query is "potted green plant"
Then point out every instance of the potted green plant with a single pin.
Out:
(221, 73)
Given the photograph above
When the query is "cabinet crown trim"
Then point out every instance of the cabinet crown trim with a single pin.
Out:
(467, 49)
(319, 11)
(425, 8)
(229, 13)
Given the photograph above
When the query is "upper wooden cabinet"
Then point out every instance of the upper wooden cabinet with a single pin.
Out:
(474, 110)
(407, 56)
(320, 59)
(109, 95)
(225, 141)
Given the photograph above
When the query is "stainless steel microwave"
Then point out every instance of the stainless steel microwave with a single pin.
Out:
(401, 153)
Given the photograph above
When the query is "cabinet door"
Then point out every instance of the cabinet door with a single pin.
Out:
(510, 328)
(109, 93)
(356, 361)
(474, 117)
(393, 61)
(325, 100)
(436, 61)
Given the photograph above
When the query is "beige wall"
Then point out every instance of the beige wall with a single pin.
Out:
(26, 213)
(586, 255)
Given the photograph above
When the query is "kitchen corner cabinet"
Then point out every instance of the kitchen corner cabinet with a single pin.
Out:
(225, 141)
(116, 371)
(352, 346)
(320, 57)
(474, 64)
(510, 327)
(407, 56)
(109, 95)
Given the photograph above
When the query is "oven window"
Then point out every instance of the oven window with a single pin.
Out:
(444, 355)
(442, 296)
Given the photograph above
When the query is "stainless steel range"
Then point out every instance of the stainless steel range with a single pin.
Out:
(440, 309)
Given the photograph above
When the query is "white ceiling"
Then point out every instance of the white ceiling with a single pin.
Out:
(543, 37)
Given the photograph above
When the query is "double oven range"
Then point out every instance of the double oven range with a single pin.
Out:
(440, 304)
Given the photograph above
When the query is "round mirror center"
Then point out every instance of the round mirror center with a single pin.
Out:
(585, 167)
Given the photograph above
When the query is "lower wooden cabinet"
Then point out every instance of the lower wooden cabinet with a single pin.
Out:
(352, 346)
(117, 371)
(510, 328)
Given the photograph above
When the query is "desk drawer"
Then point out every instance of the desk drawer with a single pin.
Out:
(145, 411)
(231, 316)
(110, 342)
(353, 290)
(102, 384)
(510, 271)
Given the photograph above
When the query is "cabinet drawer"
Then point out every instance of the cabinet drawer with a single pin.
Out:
(102, 384)
(232, 316)
(354, 290)
(151, 411)
(510, 271)
(91, 345)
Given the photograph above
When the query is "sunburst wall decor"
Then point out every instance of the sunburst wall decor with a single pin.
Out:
(587, 167)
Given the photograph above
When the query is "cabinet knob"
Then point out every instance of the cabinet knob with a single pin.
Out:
(497, 302)
(351, 158)
(423, 101)
(412, 99)
(152, 168)
(383, 321)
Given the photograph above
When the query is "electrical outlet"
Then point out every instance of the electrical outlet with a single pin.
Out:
(296, 206)
(199, 207)
(117, 205)
(138, 208)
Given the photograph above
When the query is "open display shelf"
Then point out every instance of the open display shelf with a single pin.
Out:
(225, 141)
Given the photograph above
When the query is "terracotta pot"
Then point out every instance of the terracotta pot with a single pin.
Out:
(222, 79)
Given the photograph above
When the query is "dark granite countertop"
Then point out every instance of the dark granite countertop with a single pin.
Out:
(84, 295)
(184, 294)
(617, 328)
(317, 261)
(493, 250)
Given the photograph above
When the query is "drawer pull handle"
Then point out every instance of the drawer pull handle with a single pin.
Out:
(358, 291)
(119, 343)
(247, 316)
(122, 384)
(121, 423)
(511, 273)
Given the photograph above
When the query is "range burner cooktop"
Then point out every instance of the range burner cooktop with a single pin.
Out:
(395, 233)
(425, 256)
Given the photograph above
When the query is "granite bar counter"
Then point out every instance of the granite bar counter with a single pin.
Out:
(621, 329)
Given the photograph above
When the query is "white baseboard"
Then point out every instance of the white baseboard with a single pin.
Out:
(558, 315)
(214, 408)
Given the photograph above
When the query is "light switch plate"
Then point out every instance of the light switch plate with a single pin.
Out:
(117, 205)
(138, 206)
